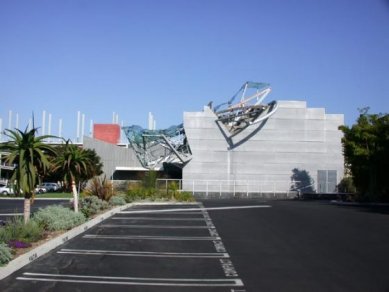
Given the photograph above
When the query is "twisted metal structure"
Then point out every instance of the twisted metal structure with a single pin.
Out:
(158, 148)
(238, 115)
(154, 148)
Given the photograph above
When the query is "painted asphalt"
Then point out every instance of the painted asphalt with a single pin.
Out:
(148, 251)
(306, 245)
(231, 245)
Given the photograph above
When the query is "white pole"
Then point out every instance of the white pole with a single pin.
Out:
(10, 120)
(43, 122)
(91, 128)
(49, 126)
(78, 126)
(1, 130)
(113, 118)
(150, 121)
(82, 127)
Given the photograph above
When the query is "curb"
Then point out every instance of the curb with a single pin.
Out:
(340, 203)
(37, 252)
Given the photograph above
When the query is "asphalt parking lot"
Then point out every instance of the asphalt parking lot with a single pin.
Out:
(306, 245)
(229, 245)
(148, 248)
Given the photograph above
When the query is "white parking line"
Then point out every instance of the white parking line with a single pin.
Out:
(145, 237)
(194, 212)
(193, 209)
(159, 219)
(131, 280)
(226, 264)
(154, 226)
(144, 253)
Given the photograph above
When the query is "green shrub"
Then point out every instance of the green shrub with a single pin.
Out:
(150, 179)
(92, 205)
(55, 218)
(16, 229)
(99, 187)
(346, 185)
(184, 197)
(117, 201)
(172, 189)
(5, 254)
(141, 193)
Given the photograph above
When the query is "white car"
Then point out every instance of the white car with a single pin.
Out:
(5, 190)
(40, 190)
(51, 187)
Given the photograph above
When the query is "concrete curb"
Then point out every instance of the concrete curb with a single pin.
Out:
(341, 203)
(37, 252)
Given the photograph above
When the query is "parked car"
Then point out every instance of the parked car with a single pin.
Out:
(51, 186)
(40, 190)
(6, 190)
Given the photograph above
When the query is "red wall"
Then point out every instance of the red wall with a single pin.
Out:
(107, 132)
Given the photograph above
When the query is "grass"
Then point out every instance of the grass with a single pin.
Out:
(55, 195)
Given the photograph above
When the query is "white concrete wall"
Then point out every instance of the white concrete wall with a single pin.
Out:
(112, 156)
(294, 137)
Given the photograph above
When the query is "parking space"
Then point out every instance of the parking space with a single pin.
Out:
(146, 248)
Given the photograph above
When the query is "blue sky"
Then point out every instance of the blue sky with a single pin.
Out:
(168, 56)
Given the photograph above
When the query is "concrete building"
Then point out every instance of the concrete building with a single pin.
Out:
(297, 147)
(240, 147)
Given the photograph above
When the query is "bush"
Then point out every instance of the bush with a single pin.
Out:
(150, 179)
(55, 218)
(92, 205)
(140, 193)
(5, 254)
(172, 193)
(17, 230)
(184, 197)
(346, 185)
(99, 187)
(117, 201)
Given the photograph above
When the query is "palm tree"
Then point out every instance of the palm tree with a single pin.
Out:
(31, 155)
(75, 164)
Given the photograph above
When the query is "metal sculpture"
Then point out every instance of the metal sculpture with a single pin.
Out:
(237, 116)
(156, 147)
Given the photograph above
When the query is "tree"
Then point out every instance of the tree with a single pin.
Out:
(366, 152)
(76, 165)
(31, 156)
(95, 165)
